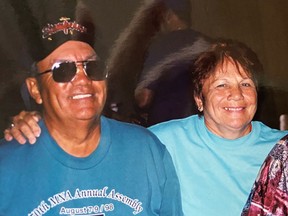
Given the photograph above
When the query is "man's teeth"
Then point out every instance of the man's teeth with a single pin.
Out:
(233, 109)
(81, 96)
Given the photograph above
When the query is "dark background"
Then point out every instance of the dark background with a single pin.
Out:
(261, 24)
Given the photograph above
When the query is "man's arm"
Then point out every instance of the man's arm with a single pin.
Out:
(24, 127)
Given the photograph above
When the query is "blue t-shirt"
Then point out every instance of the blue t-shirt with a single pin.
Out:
(130, 173)
(215, 174)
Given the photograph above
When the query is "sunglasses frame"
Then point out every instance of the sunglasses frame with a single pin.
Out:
(75, 62)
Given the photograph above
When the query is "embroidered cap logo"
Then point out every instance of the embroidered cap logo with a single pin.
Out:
(65, 26)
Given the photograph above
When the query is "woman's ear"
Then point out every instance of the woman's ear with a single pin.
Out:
(199, 103)
(33, 88)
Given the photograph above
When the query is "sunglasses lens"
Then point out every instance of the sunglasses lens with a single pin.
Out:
(95, 70)
(64, 72)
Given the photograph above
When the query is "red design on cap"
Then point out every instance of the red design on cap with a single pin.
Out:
(65, 26)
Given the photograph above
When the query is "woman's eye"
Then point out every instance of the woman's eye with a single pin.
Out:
(221, 85)
(246, 84)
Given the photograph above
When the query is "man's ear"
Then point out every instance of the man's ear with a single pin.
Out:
(33, 88)
(199, 103)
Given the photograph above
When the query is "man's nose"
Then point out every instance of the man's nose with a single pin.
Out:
(81, 74)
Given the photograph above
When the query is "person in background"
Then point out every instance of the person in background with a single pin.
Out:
(217, 153)
(82, 163)
(158, 29)
(161, 94)
(126, 59)
(164, 90)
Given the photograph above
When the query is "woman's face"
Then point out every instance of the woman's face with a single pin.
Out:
(229, 101)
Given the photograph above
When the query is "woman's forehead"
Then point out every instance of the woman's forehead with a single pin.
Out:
(229, 65)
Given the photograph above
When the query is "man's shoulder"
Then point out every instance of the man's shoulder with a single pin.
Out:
(8, 145)
(134, 138)
(10, 150)
(125, 129)
(123, 125)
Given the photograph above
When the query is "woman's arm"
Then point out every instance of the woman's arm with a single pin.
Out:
(24, 126)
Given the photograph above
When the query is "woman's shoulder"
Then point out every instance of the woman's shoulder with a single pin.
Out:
(268, 133)
(171, 125)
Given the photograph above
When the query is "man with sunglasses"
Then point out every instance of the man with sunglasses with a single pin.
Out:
(83, 163)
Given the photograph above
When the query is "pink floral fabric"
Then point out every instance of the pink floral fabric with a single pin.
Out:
(269, 195)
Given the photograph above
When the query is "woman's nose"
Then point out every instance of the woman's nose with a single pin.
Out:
(235, 93)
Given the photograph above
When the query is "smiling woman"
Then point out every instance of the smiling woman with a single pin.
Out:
(221, 148)
(227, 93)
(229, 99)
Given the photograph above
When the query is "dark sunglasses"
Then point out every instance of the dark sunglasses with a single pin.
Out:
(66, 71)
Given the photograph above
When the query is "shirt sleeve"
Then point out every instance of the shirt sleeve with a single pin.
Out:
(171, 203)
(269, 195)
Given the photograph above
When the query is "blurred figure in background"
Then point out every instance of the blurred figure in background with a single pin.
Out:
(158, 29)
(164, 90)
